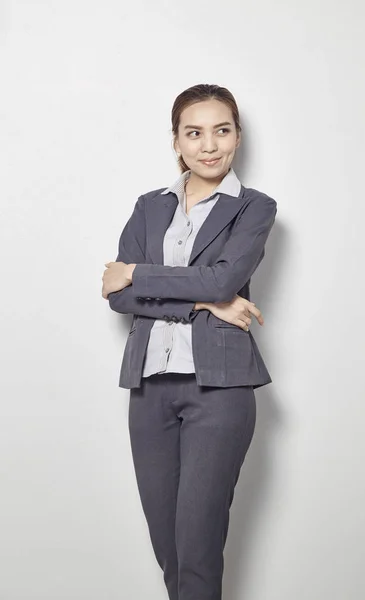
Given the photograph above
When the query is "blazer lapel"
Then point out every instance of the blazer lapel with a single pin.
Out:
(160, 211)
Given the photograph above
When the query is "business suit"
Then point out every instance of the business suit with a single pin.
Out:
(188, 445)
(226, 252)
(190, 432)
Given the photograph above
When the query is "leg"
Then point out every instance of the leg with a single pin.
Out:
(216, 432)
(155, 441)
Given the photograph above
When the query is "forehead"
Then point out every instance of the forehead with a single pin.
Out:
(206, 113)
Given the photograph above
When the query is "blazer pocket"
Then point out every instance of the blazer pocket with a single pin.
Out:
(231, 327)
(236, 346)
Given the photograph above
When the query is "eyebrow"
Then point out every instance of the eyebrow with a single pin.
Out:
(197, 126)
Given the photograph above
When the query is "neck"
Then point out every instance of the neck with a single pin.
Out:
(199, 186)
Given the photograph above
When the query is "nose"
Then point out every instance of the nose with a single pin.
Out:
(208, 144)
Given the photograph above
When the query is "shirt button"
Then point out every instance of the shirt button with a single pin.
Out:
(188, 223)
(180, 242)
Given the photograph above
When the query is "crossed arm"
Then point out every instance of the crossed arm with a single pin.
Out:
(131, 250)
(178, 288)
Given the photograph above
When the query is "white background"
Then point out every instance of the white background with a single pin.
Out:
(87, 90)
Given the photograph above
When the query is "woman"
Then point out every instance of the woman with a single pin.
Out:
(191, 362)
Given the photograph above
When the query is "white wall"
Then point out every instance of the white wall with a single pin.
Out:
(85, 128)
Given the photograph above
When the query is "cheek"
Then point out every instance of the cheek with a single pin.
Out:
(190, 149)
(228, 146)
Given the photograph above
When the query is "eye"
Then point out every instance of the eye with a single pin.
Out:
(225, 129)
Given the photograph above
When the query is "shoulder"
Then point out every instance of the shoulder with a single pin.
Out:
(258, 198)
(147, 197)
(252, 194)
(151, 194)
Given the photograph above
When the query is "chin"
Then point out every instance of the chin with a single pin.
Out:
(212, 172)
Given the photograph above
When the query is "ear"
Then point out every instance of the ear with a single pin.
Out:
(238, 142)
(176, 146)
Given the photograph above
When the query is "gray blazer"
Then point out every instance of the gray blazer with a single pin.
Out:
(227, 250)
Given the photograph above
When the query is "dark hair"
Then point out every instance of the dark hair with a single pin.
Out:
(199, 93)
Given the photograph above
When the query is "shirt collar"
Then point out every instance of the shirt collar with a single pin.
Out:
(230, 185)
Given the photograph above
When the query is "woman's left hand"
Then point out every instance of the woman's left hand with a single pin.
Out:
(117, 276)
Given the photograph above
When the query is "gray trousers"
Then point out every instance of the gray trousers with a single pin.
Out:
(188, 445)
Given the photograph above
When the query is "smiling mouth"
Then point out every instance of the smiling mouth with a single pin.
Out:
(213, 160)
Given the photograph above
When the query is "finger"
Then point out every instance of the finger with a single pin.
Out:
(260, 318)
(254, 310)
(245, 315)
(246, 318)
(243, 324)
(257, 313)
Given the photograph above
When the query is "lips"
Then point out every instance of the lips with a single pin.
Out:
(212, 161)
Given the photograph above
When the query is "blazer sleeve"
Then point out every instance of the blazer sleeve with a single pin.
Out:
(240, 257)
(132, 242)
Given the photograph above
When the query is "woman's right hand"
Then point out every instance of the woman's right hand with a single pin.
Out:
(237, 312)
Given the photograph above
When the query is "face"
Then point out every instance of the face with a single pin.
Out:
(207, 131)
